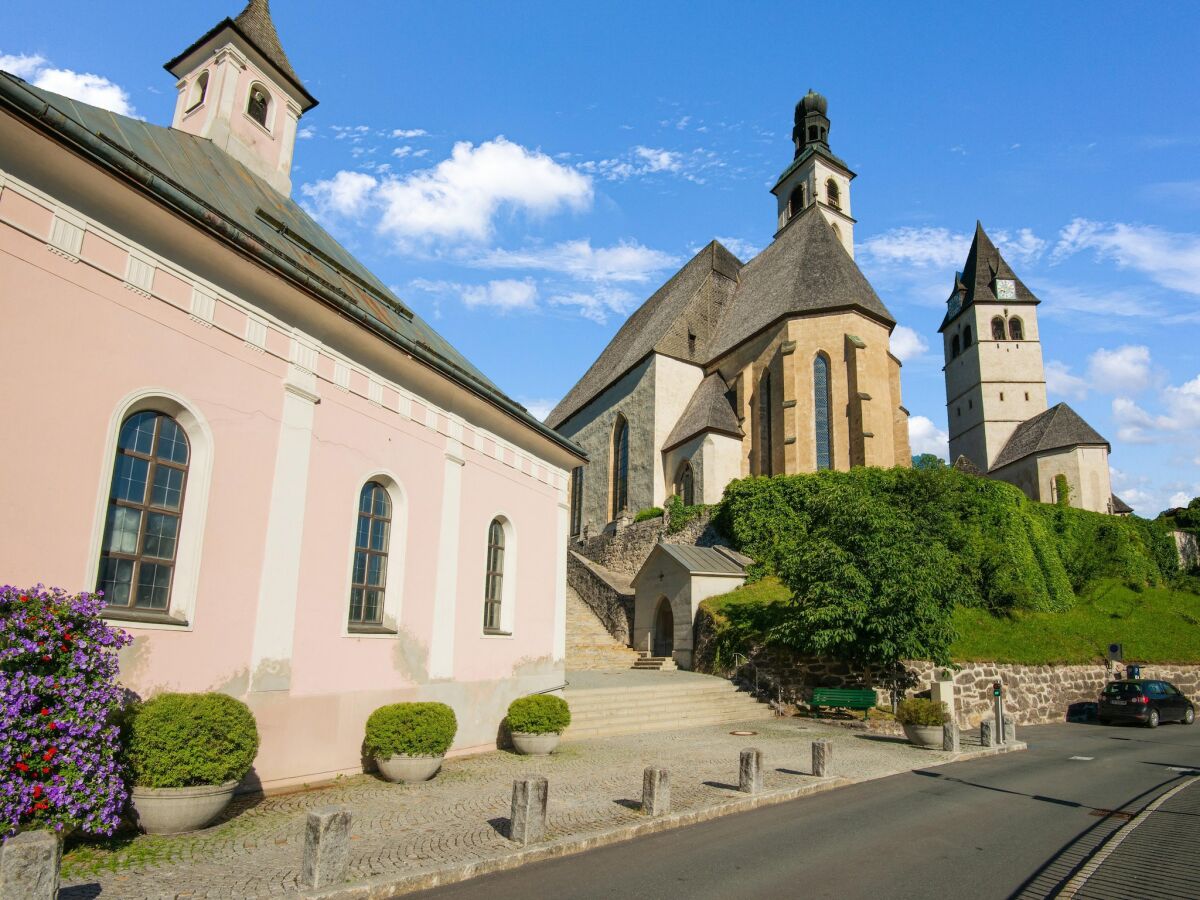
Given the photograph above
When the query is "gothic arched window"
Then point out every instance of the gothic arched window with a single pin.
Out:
(997, 329)
(796, 201)
(576, 500)
(493, 588)
(766, 448)
(954, 347)
(259, 105)
(1016, 330)
(685, 484)
(199, 89)
(822, 403)
(371, 540)
(833, 194)
(141, 530)
(620, 467)
(966, 337)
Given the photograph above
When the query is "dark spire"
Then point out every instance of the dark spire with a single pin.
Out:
(255, 23)
(811, 123)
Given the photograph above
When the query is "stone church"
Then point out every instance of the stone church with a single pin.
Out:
(996, 405)
(776, 365)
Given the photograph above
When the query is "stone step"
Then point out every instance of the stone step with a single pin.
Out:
(671, 688)
(637, 726)
(582, 712)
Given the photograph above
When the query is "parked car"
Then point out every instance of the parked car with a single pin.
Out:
(1145, 702)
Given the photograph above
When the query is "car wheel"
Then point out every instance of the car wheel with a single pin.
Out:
(1189, 717)
(1152, 722)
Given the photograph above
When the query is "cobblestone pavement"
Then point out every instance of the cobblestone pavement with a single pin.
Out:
(460, 816)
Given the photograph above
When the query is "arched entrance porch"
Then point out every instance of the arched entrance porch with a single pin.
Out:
(664, 629)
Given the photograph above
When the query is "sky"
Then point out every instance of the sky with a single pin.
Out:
(525, 174)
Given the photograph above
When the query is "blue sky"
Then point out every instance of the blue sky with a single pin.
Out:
(525, 174)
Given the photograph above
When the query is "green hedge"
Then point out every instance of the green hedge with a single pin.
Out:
(650, 512)
(410, 729)
(539, 714)
(185, 740)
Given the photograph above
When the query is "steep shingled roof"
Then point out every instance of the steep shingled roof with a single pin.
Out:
(805, 270)
(708, 410)
(976, 283)
(1057, 428)
(229, 194)
(255, 25)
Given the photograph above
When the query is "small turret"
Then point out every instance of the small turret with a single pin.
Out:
(811, 124)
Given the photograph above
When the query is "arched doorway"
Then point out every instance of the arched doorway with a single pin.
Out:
(664, 629)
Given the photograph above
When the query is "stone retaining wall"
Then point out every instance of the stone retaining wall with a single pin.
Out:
(609, 599)
(626, 549)
(1189, 550)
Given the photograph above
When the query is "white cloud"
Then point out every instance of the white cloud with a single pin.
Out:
(597, 304)
(627, 261)
(460, 197)
(505, 295)
(1125, 370)
(1023, 247)
(1179, 498)
(1171, 259)
(1183, 404)
(346, 194)
(1061, 383)
(656, 159)
(911, 246)
(408, 133)
(307, 132)
(926, 437)
(907, 343)
(691, 165)
(23, 65)
(1134, 424)
(538, 407)
(742, 249)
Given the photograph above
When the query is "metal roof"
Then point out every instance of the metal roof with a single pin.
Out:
(703, 560)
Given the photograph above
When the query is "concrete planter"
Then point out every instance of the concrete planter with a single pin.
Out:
(176, 810)
(535, 744)
(408, 769)
(928, 737)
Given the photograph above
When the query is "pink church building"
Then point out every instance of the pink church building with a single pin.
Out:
(289, 487)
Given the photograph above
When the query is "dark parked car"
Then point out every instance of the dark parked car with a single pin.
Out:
(1145, 702)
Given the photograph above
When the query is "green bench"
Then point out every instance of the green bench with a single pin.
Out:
(843, 698)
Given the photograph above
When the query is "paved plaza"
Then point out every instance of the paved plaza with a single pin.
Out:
(460, 817)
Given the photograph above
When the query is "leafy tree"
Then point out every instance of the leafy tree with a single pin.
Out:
(1186, 518)
(928, 461)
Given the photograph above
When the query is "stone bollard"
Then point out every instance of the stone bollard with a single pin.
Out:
(822, 757)
(950, 741)
(326, 847)
(656, 791)
(1010, 730)
(750, 777)
(528, 821)
(987, 733)
(29, 865)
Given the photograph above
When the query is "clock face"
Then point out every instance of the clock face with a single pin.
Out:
(1006, 289)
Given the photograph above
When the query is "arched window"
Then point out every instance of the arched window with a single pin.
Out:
(576, 500)
(766, 447)
(620, 467)
(259, 105)
(493, 586)
(823, 427)
(1016, 330)
(371, 541)
(141, 529)
(997, 329)
(685, 484)
(966, 337)
(199, 89)
(833, 194)
(796, 201)
(954, 347)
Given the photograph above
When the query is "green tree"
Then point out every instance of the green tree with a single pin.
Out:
(928, 461)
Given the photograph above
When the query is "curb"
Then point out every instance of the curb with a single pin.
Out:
(392, 885)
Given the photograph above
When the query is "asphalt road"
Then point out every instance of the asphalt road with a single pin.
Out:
(1016, 825)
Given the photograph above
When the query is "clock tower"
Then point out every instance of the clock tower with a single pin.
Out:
(994, 374)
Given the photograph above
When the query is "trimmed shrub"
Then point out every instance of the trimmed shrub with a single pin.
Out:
(410, 729)
(919, 711)
(650, 512)
(539, 714)
(58, 697)
(186, 740)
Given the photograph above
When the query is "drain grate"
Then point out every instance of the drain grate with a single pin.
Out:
(1114, 813)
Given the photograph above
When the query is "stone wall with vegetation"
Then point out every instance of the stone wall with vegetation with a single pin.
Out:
(625, 550)
(1189, 550)
(610, 599)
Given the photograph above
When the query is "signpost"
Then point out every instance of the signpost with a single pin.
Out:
(998, 695)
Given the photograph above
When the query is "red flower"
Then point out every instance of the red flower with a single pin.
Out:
(37, 791)
(45, 659)
(22, 767)
(49, 754)
(45, 711)
(24, 599)
(67, 636)
(41, 805)
(52, 726)
(45, 770)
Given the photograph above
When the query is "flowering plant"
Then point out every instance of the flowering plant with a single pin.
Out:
(58, 699)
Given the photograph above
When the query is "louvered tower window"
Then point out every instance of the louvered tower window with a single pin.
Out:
(821, 405)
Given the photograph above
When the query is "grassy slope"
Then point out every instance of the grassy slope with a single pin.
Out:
(1156, 625)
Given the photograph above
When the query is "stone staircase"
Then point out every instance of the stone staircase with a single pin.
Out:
(647, 663)
(648, 701)
(589, 645)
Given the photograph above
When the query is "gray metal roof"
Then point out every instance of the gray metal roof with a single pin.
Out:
(708, 410)
(702, 560)
(976, 283)
(719, 303)
(1057, 428)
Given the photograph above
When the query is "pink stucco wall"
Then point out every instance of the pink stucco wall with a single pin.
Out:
(77, 342)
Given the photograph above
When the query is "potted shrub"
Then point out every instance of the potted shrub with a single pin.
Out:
(186, 754)
(409, 740)
(537, 722)
(922, 721)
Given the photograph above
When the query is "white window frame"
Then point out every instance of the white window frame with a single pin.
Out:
(393, 587)
(186, 578)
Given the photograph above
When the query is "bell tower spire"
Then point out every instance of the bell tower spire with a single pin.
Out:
(237, 88)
